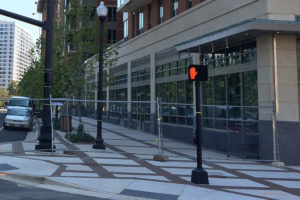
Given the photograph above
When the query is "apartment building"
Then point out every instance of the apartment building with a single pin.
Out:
(252, 50)
(15, 46)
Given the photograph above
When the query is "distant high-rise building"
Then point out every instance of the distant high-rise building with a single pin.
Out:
(15, 46)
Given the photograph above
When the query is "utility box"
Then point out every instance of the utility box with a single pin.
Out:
(66, 123)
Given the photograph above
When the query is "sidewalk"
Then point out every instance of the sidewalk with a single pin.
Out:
(126, 169)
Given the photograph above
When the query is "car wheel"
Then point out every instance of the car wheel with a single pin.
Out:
(5, 127)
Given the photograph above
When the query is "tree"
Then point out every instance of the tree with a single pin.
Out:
(12, 88)
(75, 41)
(3, 95)
(31, 84)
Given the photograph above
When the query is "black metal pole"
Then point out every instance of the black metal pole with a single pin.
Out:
(22, 18)
(99, 141)
(199, 175)
(45, 138)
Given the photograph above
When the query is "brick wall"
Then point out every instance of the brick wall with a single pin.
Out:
(120, 26)
(195, 2)
(154, 10)
(167, 10)
(146, 14)
(136, 30)
(182, 5)
(130, 18)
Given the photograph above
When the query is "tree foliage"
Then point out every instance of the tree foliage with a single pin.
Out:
(3, 95)
(75, 41)
(31, 84)
(12, 88)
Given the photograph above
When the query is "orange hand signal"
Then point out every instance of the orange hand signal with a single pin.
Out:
(193, 73)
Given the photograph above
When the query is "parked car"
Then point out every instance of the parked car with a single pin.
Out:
(20, 102)
(22, 118)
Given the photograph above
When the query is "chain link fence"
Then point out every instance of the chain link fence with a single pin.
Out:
(233, 129)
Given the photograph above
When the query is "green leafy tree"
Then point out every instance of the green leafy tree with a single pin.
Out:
(75, 41)
(31, 84)
(12, 88)
(3, 95)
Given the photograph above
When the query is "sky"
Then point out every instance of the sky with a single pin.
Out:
(25, 8)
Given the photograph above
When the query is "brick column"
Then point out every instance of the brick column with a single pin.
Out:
(167, 10)
(130, 17)
(120, 31)
(182, 5)
(136, 16)
(154, 10)
(195, 2)
(146, 14)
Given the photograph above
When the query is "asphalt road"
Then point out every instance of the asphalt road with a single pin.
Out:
(13, 191)
(11, 135)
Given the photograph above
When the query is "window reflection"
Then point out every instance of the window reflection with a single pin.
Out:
(225, 106)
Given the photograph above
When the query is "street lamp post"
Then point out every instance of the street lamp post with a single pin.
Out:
(101, 12)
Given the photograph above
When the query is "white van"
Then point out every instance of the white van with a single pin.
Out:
(16, 102)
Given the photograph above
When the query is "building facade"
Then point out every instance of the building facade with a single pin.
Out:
(114, 22)
(252, 50)
(15, 46)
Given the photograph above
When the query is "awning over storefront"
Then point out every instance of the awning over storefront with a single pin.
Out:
(238, 33)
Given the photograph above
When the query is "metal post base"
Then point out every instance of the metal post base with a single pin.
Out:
(161, 158)
(45, 148)
(99, 145)
(45, 141)
(199, 176)
(278, 164)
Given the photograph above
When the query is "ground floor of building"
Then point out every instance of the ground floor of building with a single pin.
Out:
(251, 95)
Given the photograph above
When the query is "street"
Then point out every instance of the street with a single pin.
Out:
(11, 135)
(10, 190)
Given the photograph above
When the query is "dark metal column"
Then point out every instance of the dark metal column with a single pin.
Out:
(99, 141)
(45, 138)
(199, 175)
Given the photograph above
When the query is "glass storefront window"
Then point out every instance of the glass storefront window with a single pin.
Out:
(208, 92)
(172, 86)
(234, 89)
(180, 92)
(173, 68)
(225, 106)
(118, 109)
(140, 75)
(189, 92)
(158, 70)
(234, 113)
(220, 90)
(140, 111)
(250, 93)
(181, 66)
(235, 55)
(165, 72)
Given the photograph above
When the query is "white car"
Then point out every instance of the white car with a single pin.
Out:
(21, 118)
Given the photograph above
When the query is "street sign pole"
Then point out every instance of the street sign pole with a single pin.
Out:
(198, 73)
(199, 175)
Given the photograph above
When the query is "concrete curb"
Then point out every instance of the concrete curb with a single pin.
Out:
(33, 179)
(43, 182)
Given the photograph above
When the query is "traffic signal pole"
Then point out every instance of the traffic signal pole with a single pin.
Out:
(199, 175)
(198, 73)
(45, 139)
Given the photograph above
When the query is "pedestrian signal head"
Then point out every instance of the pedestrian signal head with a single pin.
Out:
(198, 73)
